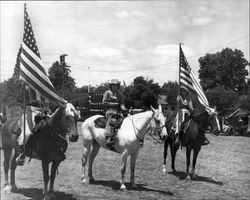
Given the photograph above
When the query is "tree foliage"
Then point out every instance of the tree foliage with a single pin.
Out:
(171, 90)
(221, 98)
(141, 93)
(225, 69)
(11, 90)
(61, 80)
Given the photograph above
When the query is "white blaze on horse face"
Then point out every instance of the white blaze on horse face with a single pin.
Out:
(159, 122)
(212, 112)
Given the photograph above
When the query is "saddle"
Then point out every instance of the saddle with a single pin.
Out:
(115, 121)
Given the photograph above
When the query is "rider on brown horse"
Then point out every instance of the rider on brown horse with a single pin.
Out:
(113, 101)
(39, 119)
(186, 111)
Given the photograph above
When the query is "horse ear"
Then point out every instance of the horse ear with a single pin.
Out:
(151, 107)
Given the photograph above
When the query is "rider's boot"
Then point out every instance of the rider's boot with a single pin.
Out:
(109, 138)
(21, 158)
(204, 140)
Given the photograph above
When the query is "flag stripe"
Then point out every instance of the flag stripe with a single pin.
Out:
(31, 79)
(33, 55)
(199, 89)
(189, 81)
(30, 68)
(35, 86)
(34, 61)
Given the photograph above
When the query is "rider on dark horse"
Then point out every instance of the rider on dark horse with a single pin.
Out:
(39, 119)
(186, 112)
(113, 102)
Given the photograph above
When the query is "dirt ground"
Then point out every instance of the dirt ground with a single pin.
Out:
(223, 169)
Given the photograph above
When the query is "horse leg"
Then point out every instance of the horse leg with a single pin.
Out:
(132, 169)
(45, 166)
(188, 153)
(124, 157)
(7, 154)
(54, 167)
(94, 152)
(173, 149)
(196, 152)
(13, 166)
(85, 155)
(165, 154)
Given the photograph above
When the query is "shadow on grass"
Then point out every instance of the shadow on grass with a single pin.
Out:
(37, 194)
(115, 185)
(183, 175)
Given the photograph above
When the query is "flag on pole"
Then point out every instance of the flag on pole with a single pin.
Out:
(31, 68)
(190, 82)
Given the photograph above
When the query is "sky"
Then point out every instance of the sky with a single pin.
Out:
(124, 39)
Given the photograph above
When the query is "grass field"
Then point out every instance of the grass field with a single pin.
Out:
(223, 170)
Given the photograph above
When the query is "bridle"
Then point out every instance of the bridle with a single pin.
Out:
(150, 129)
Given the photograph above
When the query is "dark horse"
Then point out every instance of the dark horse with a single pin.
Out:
(192, 138)
(49, 143)
(172, 142)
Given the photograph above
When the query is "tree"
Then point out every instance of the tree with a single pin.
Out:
(225, 68)
(171, 90)
(11, 90)
(141, 93)
(61, 79)
(221, 98)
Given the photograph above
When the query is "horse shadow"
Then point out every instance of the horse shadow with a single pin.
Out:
(182, 175)
(37, 194)
(115, 185)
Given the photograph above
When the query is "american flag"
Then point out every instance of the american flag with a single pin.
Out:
(31, 68)
(190, 82)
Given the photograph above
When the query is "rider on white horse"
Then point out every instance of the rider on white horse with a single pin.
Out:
(113, 101)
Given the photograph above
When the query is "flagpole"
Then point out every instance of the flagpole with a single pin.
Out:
(24, 116)
(178, 103)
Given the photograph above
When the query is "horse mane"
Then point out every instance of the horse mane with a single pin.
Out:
(55, 117)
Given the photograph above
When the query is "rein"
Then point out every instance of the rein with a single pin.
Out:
(141, 141)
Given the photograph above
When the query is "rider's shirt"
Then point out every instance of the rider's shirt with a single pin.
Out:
(186, 107)
(112, 101)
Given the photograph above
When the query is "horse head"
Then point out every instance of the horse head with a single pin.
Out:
(69, 121)
(213, 119)
(158, 123)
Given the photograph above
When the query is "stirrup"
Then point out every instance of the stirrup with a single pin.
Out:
(20, 160)
(205, 142)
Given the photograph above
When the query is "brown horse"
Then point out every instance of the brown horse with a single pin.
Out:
(49, 144)
(172, 142)
(192, 138)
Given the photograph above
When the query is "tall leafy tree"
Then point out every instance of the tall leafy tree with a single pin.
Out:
(225, 69)
(141, 93)
(11, 90)
(61, 79)
(171, 90)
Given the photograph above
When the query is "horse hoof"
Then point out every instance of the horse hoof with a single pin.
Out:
(164, 170)
(123, 187)
(7, 189)
(91, 180)
(48, 196)
(13, 188)
(84, 181)
(193, 176)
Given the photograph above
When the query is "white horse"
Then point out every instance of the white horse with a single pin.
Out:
(127, 141)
